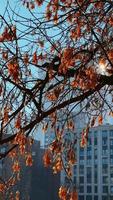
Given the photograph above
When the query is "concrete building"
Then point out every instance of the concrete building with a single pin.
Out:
(93, 172)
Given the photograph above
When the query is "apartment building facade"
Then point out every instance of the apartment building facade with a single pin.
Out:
(93, 172)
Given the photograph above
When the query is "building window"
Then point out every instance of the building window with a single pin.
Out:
(104, 197)
(105, 179)
(95, 152)
(111, 142)
(81, 152)
(81, 179)
(104, 133)
(81, 169)
(89, 189)
(89, 141)
(105, 189)
(104, 147)
(111, 180)
(95, 157)
(111, 133)
(88, 161)
(88, 170)
(95, 177)
(74, 179)
(89, 152)
(81, 197)
(111, 151)
(104, 141)
(81, 158)
(89, 148)
(111, 161)
(105, 152)
(81, 162)
(88, 157)
(111, 175)
(105, 169)
(111, 170)
(89, 175)
(96, 189)
(81, 189)
(95, 141)
(95, 161)
(95, 133)
(88, 197)
(95, 197)
(104, 160)
(111, 189)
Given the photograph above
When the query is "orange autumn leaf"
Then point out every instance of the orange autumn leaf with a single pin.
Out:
(32, 5)
(16, 166)
(17, 196)
(58, 166)
(18, 122)
(6, 116)
(29, 160)
(35, 58)
(110, 54)
(39, 2)
(13, 68)
(22, 149)
(70, 125)
(83, 141)
(62, 193)
(48, 14)
(47, 158)
(111, 21)
(78, 31)
(111, 113)
(102, 61)
(5, 55)
(20, 139)
(71, 156)
(9, 34)
(12, 154)
(100, 120)
(2, 187)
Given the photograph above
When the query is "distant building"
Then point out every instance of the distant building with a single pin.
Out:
(36, 182)
(44, 184)
(93, 172)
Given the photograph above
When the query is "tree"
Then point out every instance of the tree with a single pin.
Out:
(55, 58)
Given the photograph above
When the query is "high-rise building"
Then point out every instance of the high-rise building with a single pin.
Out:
(93, 172)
